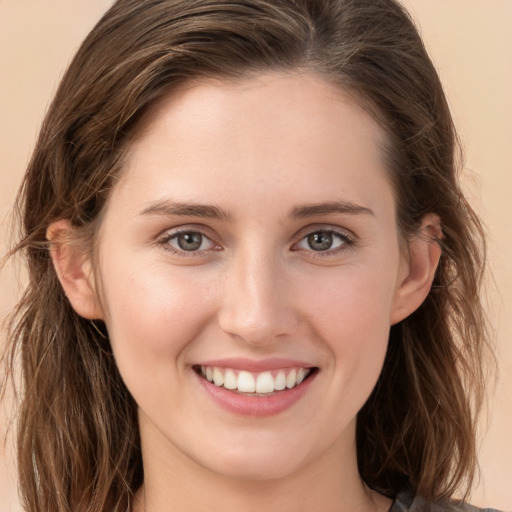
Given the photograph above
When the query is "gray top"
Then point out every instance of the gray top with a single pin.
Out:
(407, 502)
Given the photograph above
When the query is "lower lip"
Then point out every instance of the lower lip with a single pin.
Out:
(247, 405)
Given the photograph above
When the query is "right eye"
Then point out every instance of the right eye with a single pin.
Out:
(188, 241)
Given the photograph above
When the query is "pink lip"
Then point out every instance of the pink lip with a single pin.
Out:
(259, 406)
(255, 366)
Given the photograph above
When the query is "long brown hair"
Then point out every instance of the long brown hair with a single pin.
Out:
(78, 442)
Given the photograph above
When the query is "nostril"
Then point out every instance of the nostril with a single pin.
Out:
(256, 303)
(258, 327)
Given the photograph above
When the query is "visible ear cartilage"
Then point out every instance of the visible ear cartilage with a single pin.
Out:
(424, 254)
(73, 267)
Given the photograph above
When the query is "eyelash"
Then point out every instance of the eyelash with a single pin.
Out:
(347, 242)
(167, 237)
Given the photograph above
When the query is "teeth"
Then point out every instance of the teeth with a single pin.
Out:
(246, 382)
(230, 380)
(260, 383)
(301, 375)
(291, 380)
(265, 383)
(218, 378)
(280, 382)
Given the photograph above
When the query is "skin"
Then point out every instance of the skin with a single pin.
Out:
(258, 150)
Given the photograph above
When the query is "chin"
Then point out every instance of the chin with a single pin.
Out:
(256, 463)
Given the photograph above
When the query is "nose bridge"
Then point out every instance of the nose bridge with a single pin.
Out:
(256, 304)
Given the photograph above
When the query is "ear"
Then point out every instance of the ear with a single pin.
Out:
(74, 270)
(418, 270)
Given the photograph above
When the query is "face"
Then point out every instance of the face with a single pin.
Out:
(249, 265)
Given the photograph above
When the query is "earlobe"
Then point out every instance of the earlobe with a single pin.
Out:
(74, 270)
(415, 283)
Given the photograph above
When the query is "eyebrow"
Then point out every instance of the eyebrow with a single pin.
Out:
(344, 207)
(168, 208)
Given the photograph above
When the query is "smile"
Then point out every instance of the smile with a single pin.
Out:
(256, 388)
(255, 384)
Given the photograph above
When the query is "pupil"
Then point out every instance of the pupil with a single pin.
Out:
(320, 241)
(190, 241)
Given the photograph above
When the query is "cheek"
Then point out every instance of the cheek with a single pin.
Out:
(350, 312)
(152, 314)
(350, 302)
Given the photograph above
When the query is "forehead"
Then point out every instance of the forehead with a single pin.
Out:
(267, 134)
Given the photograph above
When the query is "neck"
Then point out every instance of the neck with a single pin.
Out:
(330, 483)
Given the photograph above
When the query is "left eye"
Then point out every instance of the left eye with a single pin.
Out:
(190, 241)
(321, 241)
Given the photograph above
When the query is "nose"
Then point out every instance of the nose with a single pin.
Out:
(256, 304)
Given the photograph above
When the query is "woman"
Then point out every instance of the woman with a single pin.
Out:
(253, 276)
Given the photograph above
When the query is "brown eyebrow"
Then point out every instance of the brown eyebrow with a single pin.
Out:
(186, 210)
(344, 207)
(214, 212)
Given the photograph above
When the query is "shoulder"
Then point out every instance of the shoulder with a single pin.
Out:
(407, 502)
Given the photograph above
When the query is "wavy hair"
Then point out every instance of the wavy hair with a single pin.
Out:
(78, 443)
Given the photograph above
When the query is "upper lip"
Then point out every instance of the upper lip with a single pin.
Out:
(256, 366)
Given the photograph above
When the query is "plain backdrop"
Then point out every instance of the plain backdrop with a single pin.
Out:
(470, 42)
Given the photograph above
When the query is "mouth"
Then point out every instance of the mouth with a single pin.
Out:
(255, 384)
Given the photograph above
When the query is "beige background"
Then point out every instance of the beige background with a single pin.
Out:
(471, 44)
